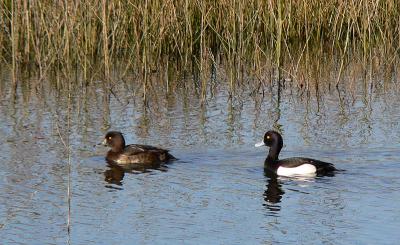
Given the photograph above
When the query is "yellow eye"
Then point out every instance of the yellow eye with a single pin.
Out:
(109, 137)
(268, 137)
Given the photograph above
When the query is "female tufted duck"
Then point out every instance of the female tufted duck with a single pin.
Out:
(133, 154)
(291, 166)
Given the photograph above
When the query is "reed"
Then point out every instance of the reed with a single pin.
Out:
(82, 33)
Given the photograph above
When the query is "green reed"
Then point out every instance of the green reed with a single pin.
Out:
(82, 33)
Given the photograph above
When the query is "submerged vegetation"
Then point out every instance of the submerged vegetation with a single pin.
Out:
(145, 33)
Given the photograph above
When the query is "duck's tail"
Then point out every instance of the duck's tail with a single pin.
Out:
(169, 157)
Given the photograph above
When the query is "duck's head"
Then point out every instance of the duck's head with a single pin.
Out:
(115, 140)
(271, 138)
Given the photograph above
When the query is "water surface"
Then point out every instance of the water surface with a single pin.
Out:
(217, 192)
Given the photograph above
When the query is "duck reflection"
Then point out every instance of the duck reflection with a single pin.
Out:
(116, 173)
(273, 194)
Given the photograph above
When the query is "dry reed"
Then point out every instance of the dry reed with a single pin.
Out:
(82, 33)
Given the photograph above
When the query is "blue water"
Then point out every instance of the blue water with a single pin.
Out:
(217, 192)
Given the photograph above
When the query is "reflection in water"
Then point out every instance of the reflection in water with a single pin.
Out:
(273, 194)
(116, 173)
(204, 198)
(277, 109)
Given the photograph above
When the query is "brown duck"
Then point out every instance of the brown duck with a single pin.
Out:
(133, 154)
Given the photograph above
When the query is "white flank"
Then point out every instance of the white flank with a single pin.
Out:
(305, 169)
(259, 144)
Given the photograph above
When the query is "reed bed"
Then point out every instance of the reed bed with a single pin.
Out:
(82, 33)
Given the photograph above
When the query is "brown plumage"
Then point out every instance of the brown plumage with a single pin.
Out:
(134, 154)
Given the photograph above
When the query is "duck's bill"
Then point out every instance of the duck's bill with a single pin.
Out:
(259, 144)
(104, 142)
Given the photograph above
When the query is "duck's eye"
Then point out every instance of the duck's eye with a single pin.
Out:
(268, 137)
(109, 137)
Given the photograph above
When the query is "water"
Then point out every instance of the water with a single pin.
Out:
(217, 192)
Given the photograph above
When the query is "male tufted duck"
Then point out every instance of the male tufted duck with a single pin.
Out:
(291, 166)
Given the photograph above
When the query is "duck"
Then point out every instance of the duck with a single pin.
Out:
(295, 166)
(135, 154)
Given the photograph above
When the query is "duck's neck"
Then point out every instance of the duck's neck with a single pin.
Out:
(118, 146)
(273, 153)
